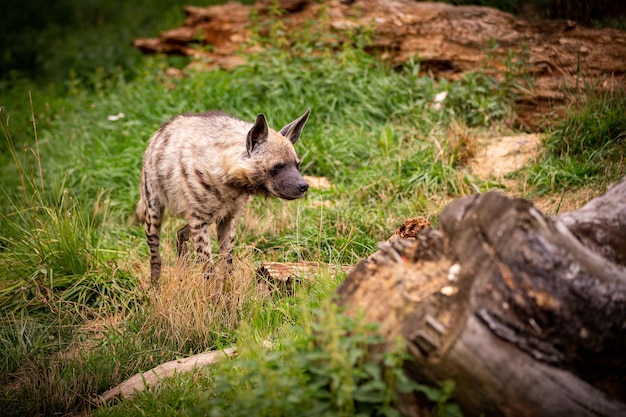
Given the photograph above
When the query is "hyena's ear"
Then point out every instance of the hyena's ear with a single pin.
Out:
(258, 133)
(292, 130)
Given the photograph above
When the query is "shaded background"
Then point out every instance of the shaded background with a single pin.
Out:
(53, 41)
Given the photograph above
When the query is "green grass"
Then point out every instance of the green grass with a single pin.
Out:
(585, 148)
(70, 248)
(76, 318)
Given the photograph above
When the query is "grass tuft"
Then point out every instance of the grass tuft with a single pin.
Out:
(587, 147)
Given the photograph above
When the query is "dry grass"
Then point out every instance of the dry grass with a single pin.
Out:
(190, 308)
(463, 143)
(268, 216)
(554, 204)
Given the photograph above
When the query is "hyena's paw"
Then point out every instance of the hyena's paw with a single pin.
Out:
(209, 270)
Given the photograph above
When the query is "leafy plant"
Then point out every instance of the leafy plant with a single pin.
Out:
(326, 370)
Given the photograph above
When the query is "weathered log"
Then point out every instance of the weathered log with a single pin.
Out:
(526, 313)
(284, 275)
(143, 380)
(449, 41)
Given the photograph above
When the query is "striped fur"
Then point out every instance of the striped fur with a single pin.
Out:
(205, 167)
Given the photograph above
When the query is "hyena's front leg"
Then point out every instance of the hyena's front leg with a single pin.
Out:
(199, 230)
(182, 237)
(226, 233)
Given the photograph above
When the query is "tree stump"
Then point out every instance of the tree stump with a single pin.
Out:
(526, 313)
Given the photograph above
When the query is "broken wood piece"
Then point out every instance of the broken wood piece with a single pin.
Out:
(141, 381)
(284, 275)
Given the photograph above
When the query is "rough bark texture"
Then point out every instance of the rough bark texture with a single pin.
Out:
(449, 40)
(526, 313)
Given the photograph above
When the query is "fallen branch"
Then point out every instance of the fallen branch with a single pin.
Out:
(449, 41)
(141, 381)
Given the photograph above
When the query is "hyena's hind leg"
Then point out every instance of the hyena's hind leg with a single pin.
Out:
(154, 217)
(182, 237)
(199, 233)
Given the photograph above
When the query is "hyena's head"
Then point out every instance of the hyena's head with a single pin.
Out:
(276, 165)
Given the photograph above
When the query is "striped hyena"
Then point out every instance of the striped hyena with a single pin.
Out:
(205, 167)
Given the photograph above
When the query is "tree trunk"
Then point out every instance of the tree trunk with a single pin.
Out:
(527, 314)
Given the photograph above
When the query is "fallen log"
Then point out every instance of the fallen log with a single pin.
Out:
(143, 380)
(526, 313)
(285, 275)
(559, 56)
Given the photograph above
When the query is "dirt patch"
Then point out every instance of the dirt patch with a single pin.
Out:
(495, 157)
(498, 156)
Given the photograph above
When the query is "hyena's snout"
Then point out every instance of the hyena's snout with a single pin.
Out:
(288, 185)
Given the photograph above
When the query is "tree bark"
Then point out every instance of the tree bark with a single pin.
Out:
(526, 313)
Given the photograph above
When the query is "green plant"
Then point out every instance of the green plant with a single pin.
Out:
(324, 368)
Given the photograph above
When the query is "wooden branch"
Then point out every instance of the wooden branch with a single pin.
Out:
(141, 381)
(285, 275)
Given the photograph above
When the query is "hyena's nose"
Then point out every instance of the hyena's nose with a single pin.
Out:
(302, 187)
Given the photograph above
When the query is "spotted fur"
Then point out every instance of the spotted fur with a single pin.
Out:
(205, 167)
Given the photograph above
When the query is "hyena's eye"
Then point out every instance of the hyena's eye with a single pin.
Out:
(277, 168)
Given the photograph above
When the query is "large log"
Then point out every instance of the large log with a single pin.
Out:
(526, 313)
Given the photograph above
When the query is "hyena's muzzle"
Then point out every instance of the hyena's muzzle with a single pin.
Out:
(286, 182)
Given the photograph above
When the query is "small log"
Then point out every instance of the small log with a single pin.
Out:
(141, 381)
(285, 275)
(524, 312)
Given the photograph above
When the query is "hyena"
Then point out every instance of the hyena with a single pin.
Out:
(205, 167)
